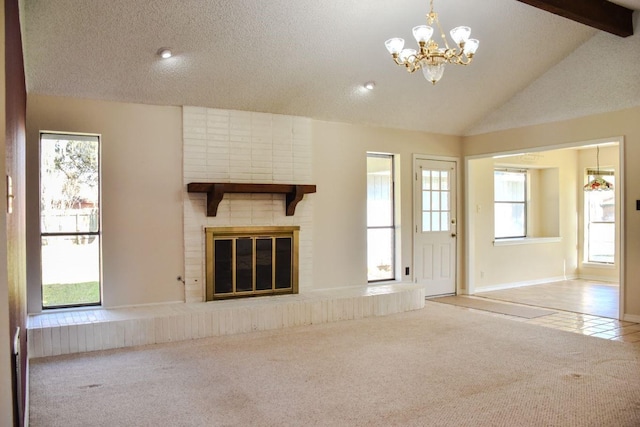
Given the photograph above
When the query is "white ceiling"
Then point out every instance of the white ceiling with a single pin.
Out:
(297, 57)
(601, 75)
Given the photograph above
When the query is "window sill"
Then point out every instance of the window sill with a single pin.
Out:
(526, 241)
(603, 265)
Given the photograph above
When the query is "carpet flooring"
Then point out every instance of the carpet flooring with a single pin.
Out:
(494, 306)
(439, 366)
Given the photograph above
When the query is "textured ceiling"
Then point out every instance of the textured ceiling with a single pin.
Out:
(577, 86)
(298, 57)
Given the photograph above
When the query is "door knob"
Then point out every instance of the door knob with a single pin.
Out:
(453, 234)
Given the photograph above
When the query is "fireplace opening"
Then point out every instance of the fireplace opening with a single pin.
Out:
(251, 261)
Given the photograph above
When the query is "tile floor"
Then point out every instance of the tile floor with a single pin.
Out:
(584, 307)
(579, 296)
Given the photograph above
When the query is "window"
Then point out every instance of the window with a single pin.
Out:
(600, 220)
(70, 219)
(380, 218)
(436, 194)
(510, 207)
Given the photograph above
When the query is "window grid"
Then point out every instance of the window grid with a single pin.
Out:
(436, 199)
(600, 222)
(380, 218)
(70, 230)
(510, 203)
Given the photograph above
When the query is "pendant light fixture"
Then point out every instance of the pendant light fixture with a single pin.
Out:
(430, 57)
(598, 183)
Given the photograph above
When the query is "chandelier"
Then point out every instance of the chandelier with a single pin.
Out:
(430, 57)
(598, 183)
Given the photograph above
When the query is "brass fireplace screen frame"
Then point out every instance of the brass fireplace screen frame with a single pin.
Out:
(252, 234)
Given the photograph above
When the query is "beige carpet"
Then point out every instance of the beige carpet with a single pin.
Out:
(494, 306)
(440, 366)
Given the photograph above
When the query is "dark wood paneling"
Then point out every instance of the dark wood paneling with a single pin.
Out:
(599, 14)
(16, 103)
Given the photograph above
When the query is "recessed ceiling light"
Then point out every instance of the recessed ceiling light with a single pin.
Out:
(369, 85)
(164, 53)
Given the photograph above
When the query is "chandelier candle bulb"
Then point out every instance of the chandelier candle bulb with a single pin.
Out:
(471, 46)
(408, 55)
(422, 33)
(460, 34)
(395, 45)
(430, 57)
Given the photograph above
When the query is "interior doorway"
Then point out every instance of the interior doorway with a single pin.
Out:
(555, 265)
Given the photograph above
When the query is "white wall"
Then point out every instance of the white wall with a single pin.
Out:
(340, 173)
(143, 189)
(141, 195)
(494, 265)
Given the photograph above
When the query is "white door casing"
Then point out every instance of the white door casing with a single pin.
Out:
(435, 226)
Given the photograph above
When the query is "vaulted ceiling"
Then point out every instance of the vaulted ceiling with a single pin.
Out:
(310, 58)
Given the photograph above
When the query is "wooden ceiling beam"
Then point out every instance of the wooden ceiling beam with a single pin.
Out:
(600, 14)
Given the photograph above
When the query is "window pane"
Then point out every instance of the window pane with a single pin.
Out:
(380, 217)
(426, 221)
(509, 220)
(70, 204)
(70, 270)
(601, 242)
(435, 200)
(445, 221)
(380, 249)
(435, 221)
(509, 186)
(444, 180)
(379, 191)
(445, 201)
(69, 184)
(426, 180)
(426, 201)
(602, 206)
(435, 180)
(510, 203)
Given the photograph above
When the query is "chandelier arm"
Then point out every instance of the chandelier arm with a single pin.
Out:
(397, 60)
(412, 66)
(463, 60)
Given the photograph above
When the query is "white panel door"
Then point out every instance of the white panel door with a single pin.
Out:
(435, 231)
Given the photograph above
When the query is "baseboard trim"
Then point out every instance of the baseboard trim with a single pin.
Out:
(512, 285)
(631, 318)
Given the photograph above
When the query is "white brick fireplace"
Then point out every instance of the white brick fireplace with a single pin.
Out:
(243, 147)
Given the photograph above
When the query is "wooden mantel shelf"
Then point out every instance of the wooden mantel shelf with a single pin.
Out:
(215, 191)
